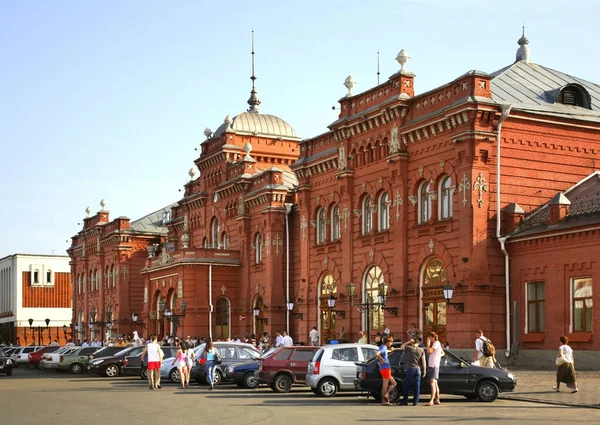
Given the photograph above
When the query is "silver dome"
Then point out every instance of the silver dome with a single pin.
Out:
(259, 124)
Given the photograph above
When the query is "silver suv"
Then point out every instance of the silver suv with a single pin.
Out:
(333, 367)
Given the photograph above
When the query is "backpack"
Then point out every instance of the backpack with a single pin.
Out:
(488, 348)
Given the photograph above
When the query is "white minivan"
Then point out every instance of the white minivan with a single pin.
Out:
(333, 367)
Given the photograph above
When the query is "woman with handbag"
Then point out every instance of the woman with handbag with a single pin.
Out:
(566, 369)
(212, 359)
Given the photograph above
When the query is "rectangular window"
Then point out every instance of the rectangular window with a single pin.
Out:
(582, 304)
(49, 277)
(36, 277)
(536, 306)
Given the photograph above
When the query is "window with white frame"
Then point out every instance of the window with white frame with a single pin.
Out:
(367, 223)
(445, 198)
(424, 202)
(383, 208)
(108, 276)
(371, 289)
(335, 223)
(536, 306)
(258, 247)
(49, 277)
(36, 276)
(581, 290)
(225, 240)
(321, 226)
(214, 233)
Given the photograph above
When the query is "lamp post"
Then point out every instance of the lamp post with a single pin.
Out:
(290, 307)
(39, 330)
(369, 305)
(256, 312)
(102, 324)
(448, 292)
(134, 321)
(172, 317)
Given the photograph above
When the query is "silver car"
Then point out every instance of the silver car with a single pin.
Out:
(333, 367)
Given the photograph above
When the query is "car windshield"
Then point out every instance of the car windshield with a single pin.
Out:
(269, 353)
(122, 352)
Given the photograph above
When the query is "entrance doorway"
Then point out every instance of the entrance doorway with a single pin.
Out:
(222, 325)
(434, 304)
(327, 316)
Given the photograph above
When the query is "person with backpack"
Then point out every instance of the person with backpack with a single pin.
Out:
(484, 351)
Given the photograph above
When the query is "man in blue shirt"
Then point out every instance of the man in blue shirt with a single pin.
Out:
(389, 383)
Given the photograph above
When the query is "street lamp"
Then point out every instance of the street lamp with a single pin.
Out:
(102, 324)
(331, 304)
(371, 306)
(290, 307)
(448, 292)
(39, 330)
(172, 317)
(256, 312)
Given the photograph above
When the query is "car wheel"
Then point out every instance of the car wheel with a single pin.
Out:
(250, 381)
(112, 370)
(41, 366)
(395, 395)
(144, 373)
(327, 387)
(174, 376)
(218, 377)
(282, 384)
(76, 368)
(487, 391)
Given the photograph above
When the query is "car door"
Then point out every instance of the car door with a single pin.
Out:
(279, 361)
(298, 362)
(342, 360)
(228, 355)
(454, 375)
(84, 354)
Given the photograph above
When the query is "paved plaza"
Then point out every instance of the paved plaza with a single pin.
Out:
(38, 397)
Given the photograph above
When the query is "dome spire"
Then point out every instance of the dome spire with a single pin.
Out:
(254, 101)
(523, 51)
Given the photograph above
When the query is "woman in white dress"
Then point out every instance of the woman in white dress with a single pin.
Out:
(566, 366)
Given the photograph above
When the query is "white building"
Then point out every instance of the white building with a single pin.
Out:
(34, 288)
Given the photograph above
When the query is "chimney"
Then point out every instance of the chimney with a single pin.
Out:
(559, 209)
(513, 216)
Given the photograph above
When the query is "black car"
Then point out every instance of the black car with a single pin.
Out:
(457, 377)
(230, 352)
(110, 365)
(135, 365)
(242, 374)
(6, 363)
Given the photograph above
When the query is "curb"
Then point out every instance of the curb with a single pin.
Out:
(555, 403)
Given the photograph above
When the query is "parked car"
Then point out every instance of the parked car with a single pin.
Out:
(110, 365)
(230, 352)
(456, 377)
(51, 360)
(333, 367)
(21, 356)
(35, 357)
(136, 365)
(286, 367)
(6, 363)
(76, 361)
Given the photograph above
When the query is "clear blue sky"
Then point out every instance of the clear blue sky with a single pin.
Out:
(108, 99)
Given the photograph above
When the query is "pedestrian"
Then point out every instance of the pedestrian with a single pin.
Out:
(342, 337)
(378, 341)
(479, 358)
(265, 342)
(362, 337)
(314, 337)
(413, 332)
(211, 355)
(389, 383)
(565, 361)
(434, 348)
(153, 351)
(278, 339)
(416, 368)
(181, 360)
(287, 340)
(386, 330)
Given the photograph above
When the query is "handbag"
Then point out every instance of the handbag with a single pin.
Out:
(218, 359)
(560, 360)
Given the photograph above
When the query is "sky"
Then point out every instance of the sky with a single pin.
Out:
(109, 99)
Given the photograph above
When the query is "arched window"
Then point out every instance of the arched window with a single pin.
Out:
(258, 247)
(205, 243)
(335, 223)
(97, 280)
(107, 276)
(222, 322)
(445, 198)
(114, 276)
(321, 229)
(214, 225)
(575, 95)
(371, 287)
(383, 207)
(225, 240)
(424, 202)
(367, 223)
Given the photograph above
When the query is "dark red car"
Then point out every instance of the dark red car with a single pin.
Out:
(285, 368)
(33, 359)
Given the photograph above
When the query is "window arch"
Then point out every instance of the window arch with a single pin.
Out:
(205, 242)
(222, 318)
(373, 278)
(114, 276)
(321, 227)
(107, 276)
(424, 202)
(367, 223)
(214, 232)
(97, 279)
(335, 223)
(446, 193)
(383, 208)
(258, 248)
(435, 273)
(225, 240)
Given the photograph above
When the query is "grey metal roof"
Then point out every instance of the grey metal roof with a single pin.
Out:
(259, 124)
(532, 87)
(153, 222)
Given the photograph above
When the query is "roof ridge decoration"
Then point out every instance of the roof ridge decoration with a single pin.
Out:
(253, 101)
(523, 54)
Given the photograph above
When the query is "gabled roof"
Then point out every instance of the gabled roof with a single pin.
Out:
(535, 88)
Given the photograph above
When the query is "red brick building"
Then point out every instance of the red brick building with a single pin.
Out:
(414, 190)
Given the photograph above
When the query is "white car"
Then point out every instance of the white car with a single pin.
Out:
(52, 360)
(21, 356)
(333, 367)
